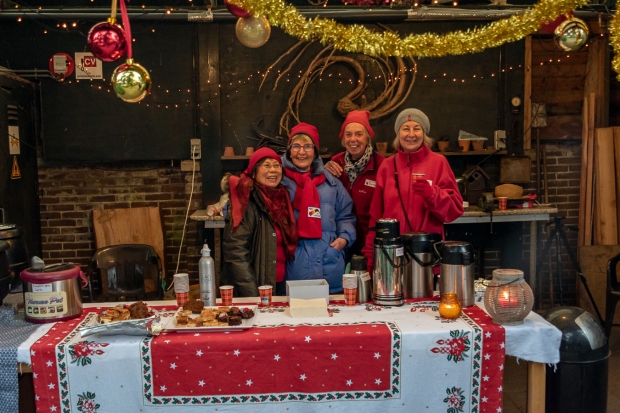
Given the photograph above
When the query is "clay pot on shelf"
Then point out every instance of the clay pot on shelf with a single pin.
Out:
(477, 145)
(443, 145)
(464, 144)
(229, 151)
(249, 151)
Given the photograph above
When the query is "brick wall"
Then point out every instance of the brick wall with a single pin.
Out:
(563, 176)
(69, 194)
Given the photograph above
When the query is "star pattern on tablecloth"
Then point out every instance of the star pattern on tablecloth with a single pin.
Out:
(358, 332)
(173, 366)
(487, 356)
(34, 375)
(163, 388)
(502, 345)
(197, 335)
(248, 382)
(377, 355)
(302, 377)
(236, 353)
(484, 399)
(377, 381)
(201, 383)
(485, 378)
(488, 334)
(53, 408)
(199, 353)
(500, 388)
(501, 367)
(499, 409)
(308, 339)
(276, 357)
(49, 363)
(51, 386)
(349, 382)
(334, 356)
(32, 352)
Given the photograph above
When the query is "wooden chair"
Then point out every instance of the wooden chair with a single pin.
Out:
(124, 271)
(613, 293)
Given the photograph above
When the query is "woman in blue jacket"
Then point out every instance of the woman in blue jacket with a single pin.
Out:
(323, 208)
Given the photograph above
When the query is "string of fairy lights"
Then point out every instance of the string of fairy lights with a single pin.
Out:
(181, 98)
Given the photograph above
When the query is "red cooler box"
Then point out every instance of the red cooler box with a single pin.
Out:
(53, 294)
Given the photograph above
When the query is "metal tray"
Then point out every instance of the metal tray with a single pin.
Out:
(171, 325)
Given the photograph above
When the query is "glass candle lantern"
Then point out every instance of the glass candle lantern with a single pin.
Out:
(508, 298)
(449, 306)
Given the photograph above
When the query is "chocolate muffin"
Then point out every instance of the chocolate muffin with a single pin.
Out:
(138, 310)
(222, 318)
(247, 313)
(234, 311)
(193, 305)
(234, 320)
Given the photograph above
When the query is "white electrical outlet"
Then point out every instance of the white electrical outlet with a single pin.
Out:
(195, 149)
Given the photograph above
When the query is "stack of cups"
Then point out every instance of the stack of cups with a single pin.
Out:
(226, 293)
(349, 285)
(265, 292)
(181, 288)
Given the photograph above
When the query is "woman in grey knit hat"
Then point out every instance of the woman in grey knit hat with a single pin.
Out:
(415, 186)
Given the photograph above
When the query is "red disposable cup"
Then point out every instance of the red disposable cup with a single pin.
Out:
(503, 203)
(417, 177)
(226, 293)
(266, 292)
(350, 296)
(182, 298)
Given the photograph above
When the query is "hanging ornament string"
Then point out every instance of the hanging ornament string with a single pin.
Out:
(112, 18)
(358, 39)
(125, 19)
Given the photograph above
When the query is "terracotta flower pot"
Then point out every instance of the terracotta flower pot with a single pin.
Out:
(464, 144)
(443, 145)
(477, 145)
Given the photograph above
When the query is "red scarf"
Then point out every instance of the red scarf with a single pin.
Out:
(278, 203)
(307, 202)
(240, 189)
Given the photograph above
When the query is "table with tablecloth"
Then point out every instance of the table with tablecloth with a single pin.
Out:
(364, 357)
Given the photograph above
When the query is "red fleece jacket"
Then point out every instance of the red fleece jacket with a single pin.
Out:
(362, 192)
(444, 205)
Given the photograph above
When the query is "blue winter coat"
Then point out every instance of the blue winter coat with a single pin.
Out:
(314, 258)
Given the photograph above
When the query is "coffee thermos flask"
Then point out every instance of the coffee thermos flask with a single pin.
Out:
(456, 274)
(418, 275)
(389, 260)
(364, 286)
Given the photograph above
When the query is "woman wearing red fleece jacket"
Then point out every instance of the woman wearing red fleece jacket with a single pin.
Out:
(422, 204)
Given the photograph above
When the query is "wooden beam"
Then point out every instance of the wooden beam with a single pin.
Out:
(527, 95)
(584, 170)
(605, 220)
(587, 240)
(595, 78)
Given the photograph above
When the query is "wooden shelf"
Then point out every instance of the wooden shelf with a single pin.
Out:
(244, 158)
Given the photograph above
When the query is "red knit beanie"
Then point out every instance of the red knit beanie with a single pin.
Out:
(306, 129)
(358, 116)
(258, 155)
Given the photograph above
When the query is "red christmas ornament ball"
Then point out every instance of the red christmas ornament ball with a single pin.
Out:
(107, 41)
(236, 10)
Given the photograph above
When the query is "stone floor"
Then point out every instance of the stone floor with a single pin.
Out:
(515, 380)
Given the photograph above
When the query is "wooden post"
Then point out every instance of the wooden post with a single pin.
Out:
(605, 222)
(587, 235)
(527, 95)
(536, 387)
(584, 169)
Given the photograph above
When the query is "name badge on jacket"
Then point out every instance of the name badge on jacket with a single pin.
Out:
(370, 183)
(314, 212)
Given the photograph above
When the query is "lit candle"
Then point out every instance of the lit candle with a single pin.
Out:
(505, 300)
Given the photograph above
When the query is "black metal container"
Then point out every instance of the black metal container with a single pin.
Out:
(17, 252)
(5, 271)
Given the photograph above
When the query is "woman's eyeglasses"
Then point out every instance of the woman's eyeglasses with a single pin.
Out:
(275, 166)
(307, 147)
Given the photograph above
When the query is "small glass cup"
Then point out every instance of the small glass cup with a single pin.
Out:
(226, 293)
(450, 306)
(266, 292)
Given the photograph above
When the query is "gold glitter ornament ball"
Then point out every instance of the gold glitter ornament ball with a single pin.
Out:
(131, 82)
(253, 31)
(571, 35)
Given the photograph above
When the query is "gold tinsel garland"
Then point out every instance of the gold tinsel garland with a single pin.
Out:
(614, 29)
(358, 39)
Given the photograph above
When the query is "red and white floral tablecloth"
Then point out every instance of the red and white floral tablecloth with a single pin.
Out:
(360, 358)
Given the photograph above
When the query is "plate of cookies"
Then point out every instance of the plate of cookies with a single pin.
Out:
(136, 311)
(194, 316)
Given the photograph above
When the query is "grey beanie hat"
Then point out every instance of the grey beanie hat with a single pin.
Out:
(415, 115)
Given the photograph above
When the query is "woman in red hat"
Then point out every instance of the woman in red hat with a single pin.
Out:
(357, 169)
(261, 232)
(323, 208)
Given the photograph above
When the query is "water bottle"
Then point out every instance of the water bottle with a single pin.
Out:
(206, 275)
